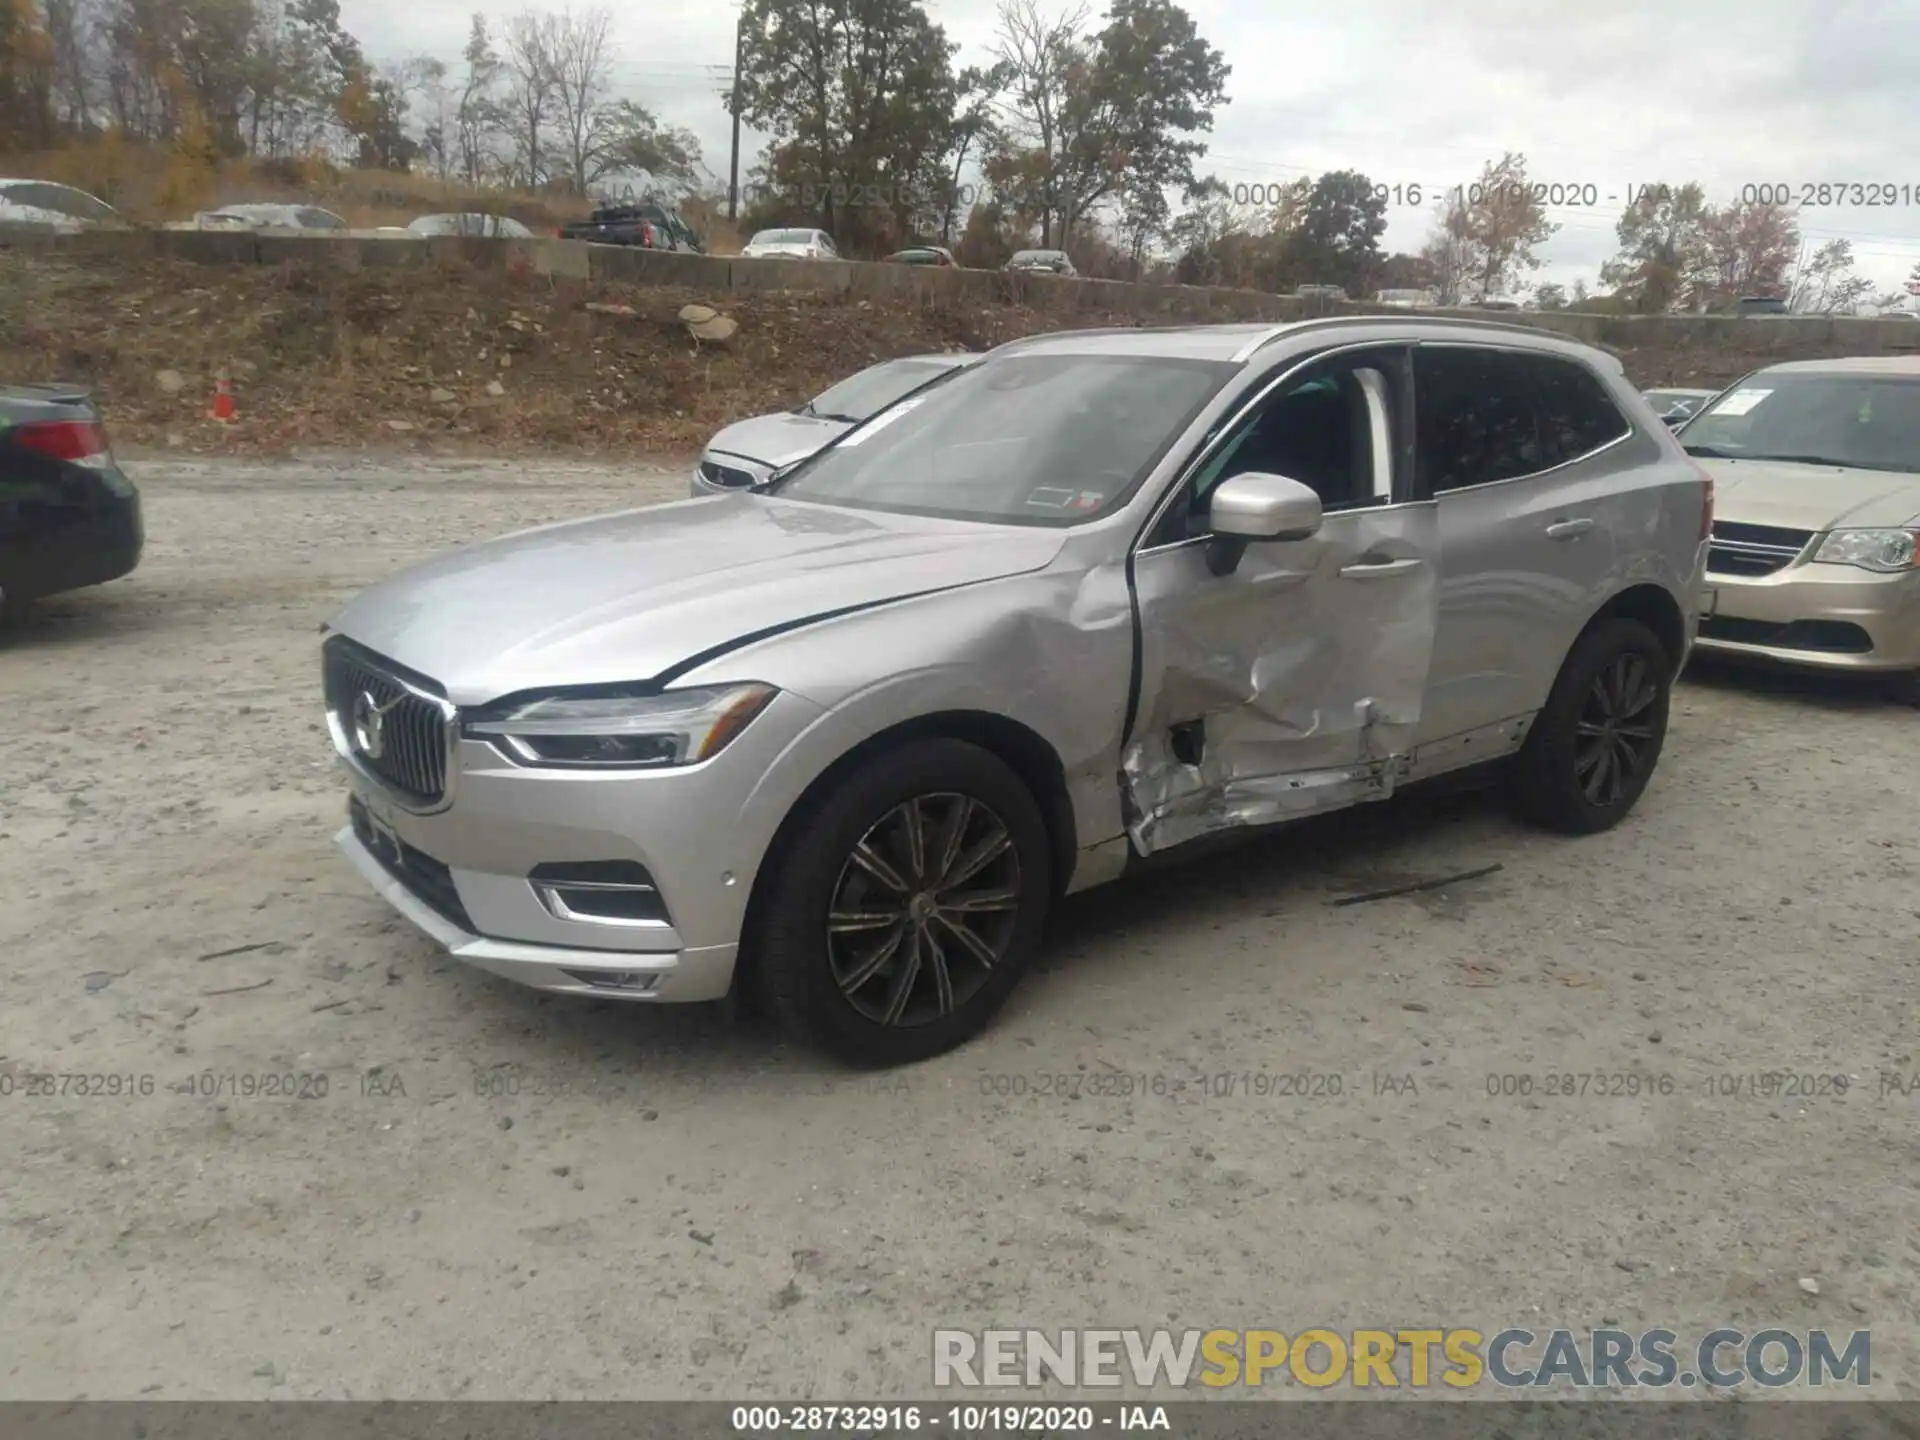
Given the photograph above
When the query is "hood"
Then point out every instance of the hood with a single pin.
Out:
(792, 252)
(776, 440)
(1811, 497)
(626, 597)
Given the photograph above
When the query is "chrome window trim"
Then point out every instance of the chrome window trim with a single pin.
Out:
(1629, 433)
(1233, 422)
(450, 734)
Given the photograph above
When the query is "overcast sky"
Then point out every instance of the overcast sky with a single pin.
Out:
(1599, 97)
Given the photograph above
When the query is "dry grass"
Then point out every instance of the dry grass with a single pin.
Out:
(323, 358)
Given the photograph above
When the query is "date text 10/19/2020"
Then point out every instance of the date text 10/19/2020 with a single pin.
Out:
(857, 195)
(952, 1419)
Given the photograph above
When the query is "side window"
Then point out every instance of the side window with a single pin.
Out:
(1319, 428)
(1475, 418)
(1577, 416)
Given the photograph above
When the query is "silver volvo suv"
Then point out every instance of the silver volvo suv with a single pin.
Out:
(840, 740)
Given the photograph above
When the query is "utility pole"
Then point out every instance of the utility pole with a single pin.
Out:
(733, 104)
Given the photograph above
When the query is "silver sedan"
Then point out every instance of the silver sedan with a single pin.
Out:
(748, 452)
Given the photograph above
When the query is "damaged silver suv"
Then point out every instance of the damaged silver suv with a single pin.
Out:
(842, 738)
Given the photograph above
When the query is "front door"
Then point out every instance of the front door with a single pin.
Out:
(1294, 684)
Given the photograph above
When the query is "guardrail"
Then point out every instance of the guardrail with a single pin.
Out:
(1761, 336)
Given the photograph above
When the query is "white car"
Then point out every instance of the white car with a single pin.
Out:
(791, 245)
(268, 216)
(497, 227)
(46, 202)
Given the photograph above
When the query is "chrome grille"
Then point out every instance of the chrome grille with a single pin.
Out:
(1751, 550)
(415, 726)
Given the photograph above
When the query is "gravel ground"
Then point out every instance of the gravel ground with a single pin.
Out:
(672, 1205)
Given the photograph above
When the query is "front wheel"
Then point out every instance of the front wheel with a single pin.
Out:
(1594, 745)
(904, 904)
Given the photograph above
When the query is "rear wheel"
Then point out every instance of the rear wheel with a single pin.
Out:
(1903, 688)
(1594, 745)
(904, 904)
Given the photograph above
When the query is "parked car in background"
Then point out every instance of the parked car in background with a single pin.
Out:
(68, 517)
(269, 216)
(1407, 299)
(1053, 262)
(1759, 305)
(497, 227)
(790, 245)
(841, 741)
(1320, 292)
(923, 255)
(1500, 305)
(747, 452)
(647, 224)
(1816, 464)
(1677, 406)
(59, 207)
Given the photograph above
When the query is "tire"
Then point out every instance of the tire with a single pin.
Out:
(1566, 777)
(1903, 688)
(812, 981)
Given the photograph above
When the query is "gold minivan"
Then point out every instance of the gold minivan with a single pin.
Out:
(1816, 472)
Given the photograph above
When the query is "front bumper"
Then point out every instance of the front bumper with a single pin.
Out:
(665, 976)
(463, 872)
(1830, 617)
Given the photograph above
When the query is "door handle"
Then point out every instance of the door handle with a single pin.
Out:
(1568, 529)
(1378, 569)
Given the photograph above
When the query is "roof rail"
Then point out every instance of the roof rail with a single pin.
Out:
(1324, 322)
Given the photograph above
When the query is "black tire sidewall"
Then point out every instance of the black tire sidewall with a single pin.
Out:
(1545, 788)
(791, 963)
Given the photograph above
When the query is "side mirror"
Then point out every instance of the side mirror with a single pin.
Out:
(1254, 507)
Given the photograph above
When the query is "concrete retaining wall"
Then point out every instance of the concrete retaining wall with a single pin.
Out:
(1756, 336)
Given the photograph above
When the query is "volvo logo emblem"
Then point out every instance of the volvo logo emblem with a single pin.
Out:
(369, 724)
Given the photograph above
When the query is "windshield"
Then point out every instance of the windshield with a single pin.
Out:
(862, 396)
(783, 237)
(1869, 422)
(1024, 440)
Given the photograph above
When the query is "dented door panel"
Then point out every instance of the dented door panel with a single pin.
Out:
(1291, 686)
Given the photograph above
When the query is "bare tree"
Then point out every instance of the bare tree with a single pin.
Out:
(71, 31)
(532, 43)
(1449, 250)
(1037, 57)
(477, 112)
(1827, 284)
(582, 60)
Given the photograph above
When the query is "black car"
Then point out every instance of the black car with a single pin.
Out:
(649, 225)
(68, 517)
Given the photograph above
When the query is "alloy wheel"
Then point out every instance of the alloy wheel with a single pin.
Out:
(1615, 738)
(924, 908)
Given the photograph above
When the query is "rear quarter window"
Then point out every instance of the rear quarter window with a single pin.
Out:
(1577, 415)
(1476, 418)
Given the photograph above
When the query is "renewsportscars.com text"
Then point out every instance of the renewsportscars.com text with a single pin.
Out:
(1415, 1358)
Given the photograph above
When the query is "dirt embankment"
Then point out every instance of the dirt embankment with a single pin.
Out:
(460, 359)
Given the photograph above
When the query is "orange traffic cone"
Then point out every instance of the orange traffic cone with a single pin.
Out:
(223, 408)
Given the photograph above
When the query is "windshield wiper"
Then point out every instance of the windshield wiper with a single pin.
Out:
(1710, 452)
(830, 415)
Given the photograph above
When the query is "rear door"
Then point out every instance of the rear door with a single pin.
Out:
(1518, 450)
(1294, 684)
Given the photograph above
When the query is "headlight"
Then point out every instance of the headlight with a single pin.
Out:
(636, 732)
(1884, 551)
